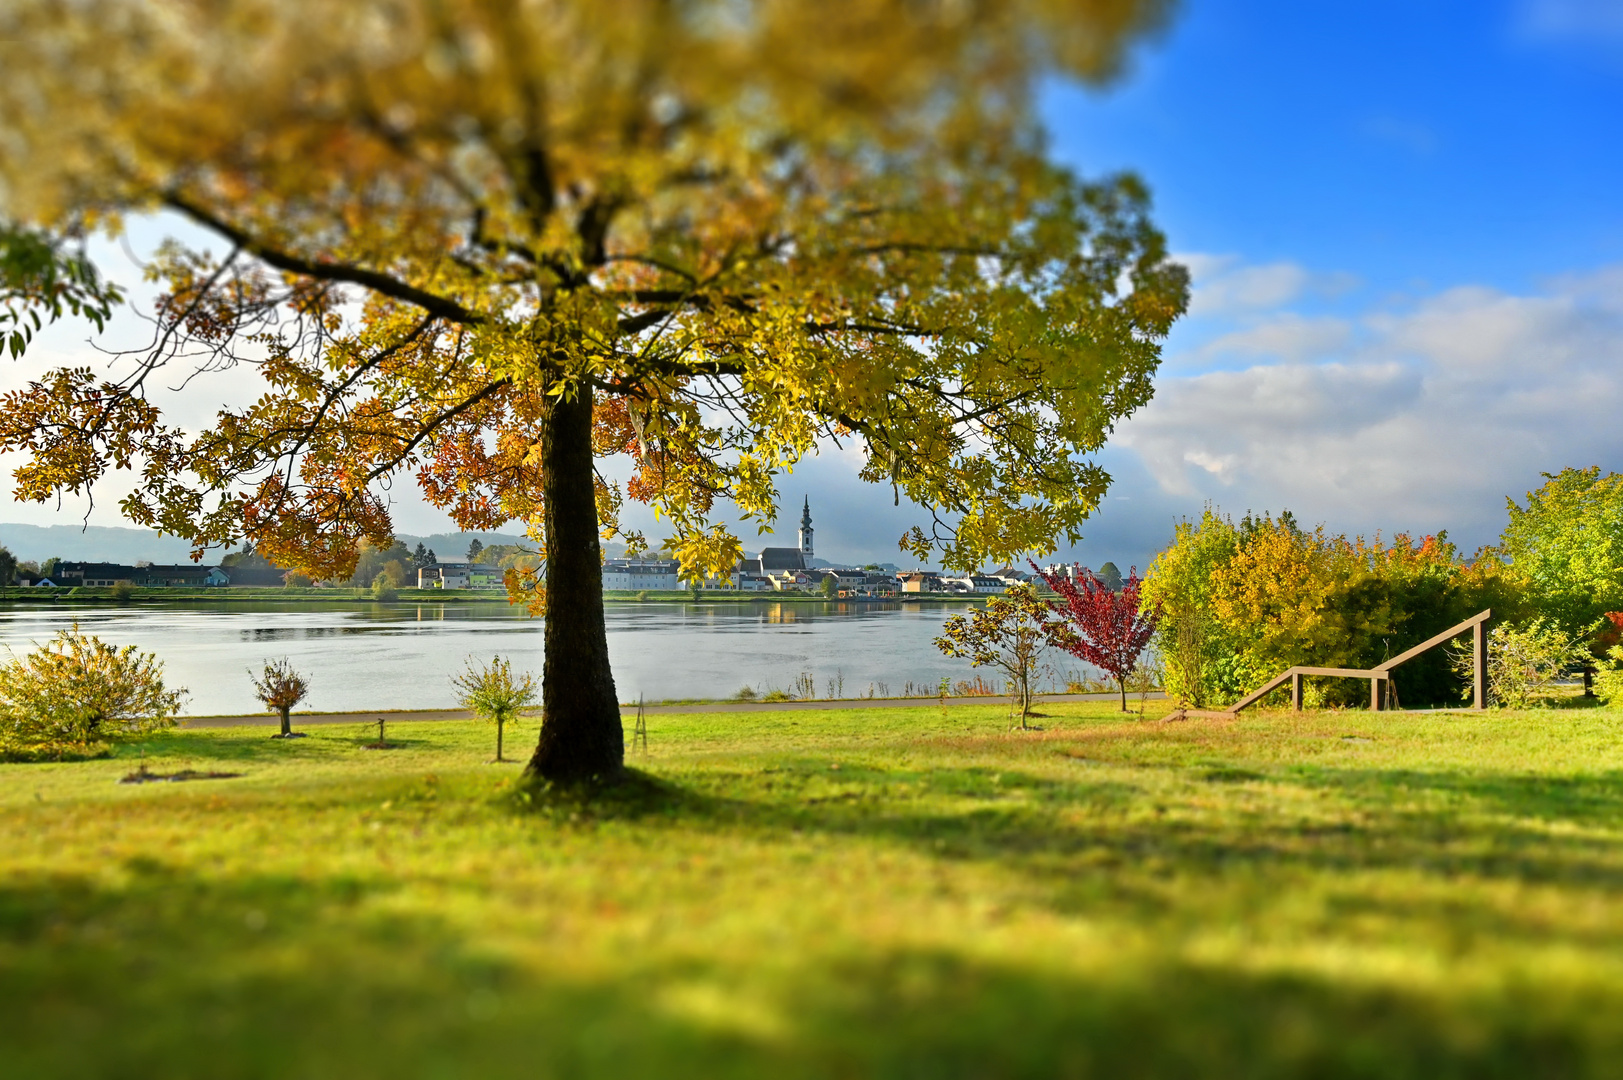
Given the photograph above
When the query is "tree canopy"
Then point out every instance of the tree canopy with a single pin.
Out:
(489, 244)
(1568, 541)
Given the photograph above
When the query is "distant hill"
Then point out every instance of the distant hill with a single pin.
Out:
(105, 543)
(96, 543)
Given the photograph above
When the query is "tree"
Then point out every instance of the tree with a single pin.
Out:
(1103, 627)
(1568, 540)
(831, 586)
(8, 566)
(38, 273)
(1109, 576)
(490, 244)
(281, 688)
(383, 587)
(474, 548)
(421, 557)
(77, 693)
(1009, 633)
(492, 692)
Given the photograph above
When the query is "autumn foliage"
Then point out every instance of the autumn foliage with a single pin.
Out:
(1108, 629)
(1243, 601)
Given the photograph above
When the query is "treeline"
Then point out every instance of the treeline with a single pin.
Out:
(1242, 601)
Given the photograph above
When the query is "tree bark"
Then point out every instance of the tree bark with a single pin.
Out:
(1122, 683)
(287, 724)
(581, 737)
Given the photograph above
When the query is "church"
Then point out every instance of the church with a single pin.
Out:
(778, 560)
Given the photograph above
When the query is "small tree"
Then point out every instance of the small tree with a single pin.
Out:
(491, 692)
(1104, 628)
(281, 688)
(1009, 633)
(79, 692)
(831, 586)
(474, 549)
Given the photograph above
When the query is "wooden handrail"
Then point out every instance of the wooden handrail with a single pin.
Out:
(1382, 672)
(1431, 642)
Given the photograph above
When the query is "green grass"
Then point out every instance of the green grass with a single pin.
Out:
(832, 894)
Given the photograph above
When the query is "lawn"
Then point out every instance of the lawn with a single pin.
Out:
(896, 892)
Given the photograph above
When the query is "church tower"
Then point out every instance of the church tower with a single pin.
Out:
(806, 532)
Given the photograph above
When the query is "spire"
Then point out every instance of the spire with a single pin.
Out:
(806, 529)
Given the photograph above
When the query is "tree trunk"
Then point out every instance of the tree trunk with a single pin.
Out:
(1123, 684)
(498, 738)
(287, 724)
(581, 735)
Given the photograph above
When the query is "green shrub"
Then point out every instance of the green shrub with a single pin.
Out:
(78, 693)
(1524, 661)
(121, 592)
(383, 588)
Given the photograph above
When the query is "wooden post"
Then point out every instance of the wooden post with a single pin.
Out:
(1479, 665)
(1375, 693)
(1296, 692)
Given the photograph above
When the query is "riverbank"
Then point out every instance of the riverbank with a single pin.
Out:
(350, 597)
(836, 892)
(672, 708)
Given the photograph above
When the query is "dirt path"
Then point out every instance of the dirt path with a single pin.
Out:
(407, 715)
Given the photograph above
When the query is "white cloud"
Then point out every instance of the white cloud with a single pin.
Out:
(1287, 337)
(1424, 419)
(1223, 285)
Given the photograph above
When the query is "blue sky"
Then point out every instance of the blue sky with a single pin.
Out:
(1405, 222)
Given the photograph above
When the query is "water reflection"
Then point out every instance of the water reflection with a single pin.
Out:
(402, 656)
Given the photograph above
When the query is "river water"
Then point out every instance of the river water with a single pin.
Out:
(402, 656)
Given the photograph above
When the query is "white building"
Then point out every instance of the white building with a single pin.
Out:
(638, 575)
(975, 583)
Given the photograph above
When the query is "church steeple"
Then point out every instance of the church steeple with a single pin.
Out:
(806, 531)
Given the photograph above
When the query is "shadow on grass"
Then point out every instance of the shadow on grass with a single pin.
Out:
(175, 975)
(1595, 799)
(1078, 836)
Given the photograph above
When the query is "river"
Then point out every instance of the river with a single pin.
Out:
(402, 656)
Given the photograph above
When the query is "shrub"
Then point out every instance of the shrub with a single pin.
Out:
(281, 688)
(1244, 601)
(78, 693)
(383, 587)
(745, 693)
(1524, 661)
(492, 693)
(122, 591)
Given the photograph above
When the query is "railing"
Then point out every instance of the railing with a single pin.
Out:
(1380, 676)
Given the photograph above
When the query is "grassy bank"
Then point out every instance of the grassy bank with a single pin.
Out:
(844, 893)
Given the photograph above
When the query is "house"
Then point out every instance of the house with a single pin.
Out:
(95, 574)
(187, 575)
(975, 583)
(1010, 576)
(640, 575)
(460, 575)
(919, 581)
